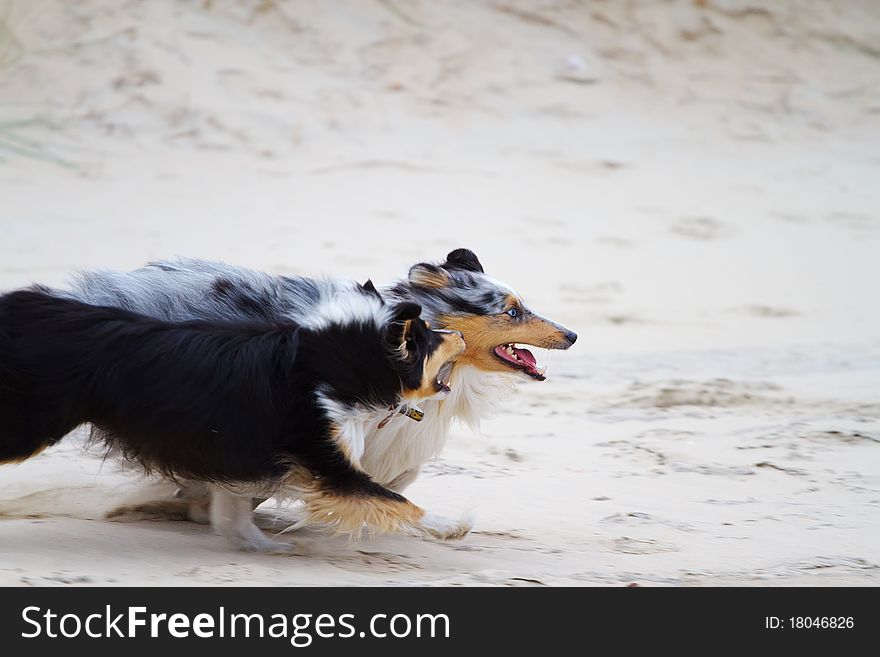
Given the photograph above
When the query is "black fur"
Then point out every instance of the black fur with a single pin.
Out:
(463, 259)
(245, 298)
(370, 288)
(209, 401)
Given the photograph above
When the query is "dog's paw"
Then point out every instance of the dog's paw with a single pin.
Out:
(259, 543)
(273, 548)
(247, 537)
(445, 528)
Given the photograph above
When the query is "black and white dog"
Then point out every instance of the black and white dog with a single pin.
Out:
(254, 405)
(455, 295)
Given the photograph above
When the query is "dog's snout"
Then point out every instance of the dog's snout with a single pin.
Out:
(571, 336)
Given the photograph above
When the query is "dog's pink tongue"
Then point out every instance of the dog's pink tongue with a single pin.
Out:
(527, 357)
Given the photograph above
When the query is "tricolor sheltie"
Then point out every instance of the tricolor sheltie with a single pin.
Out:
(252, 406)
(456, 295)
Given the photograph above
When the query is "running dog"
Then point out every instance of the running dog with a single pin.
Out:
(455, 295)
(247, 406)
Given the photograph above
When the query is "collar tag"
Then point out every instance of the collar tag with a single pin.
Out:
(412, 412)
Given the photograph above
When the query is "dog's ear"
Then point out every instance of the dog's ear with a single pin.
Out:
(369, 288)
(463, 259)
(405, 310)
(402, 316)
(427, 275)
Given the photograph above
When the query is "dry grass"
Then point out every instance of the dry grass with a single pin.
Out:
(11, 48)
(15, 144)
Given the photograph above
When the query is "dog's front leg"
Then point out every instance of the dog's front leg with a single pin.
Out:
(403, 480)
(337, 493)
(435, 525)
(232, 516)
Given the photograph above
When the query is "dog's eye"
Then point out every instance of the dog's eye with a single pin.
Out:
(513, 312)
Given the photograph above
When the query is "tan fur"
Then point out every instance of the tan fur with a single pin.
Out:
(407, 327)
(344, 447)
(350, 514)
(482, 333)
(22, 459)
(428, 277)
(450, 347)
(153, 510)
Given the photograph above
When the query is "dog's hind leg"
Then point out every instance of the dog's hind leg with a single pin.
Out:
(198, 501)
(232, 516)
(165, 500)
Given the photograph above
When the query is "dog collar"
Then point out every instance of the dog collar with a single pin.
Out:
(410, 411)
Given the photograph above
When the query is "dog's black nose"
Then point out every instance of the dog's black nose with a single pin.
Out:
(571, 336)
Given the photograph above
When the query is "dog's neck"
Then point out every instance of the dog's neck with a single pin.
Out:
(393, 454)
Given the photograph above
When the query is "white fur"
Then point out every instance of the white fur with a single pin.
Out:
(346, 308)
(232, 516)
(394, 454)
(353, 424)
(445, 528)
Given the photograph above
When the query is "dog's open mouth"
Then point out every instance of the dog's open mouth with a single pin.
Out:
(520, 359)
(441, 384)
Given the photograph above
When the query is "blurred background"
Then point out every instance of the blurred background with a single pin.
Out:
(691, 185)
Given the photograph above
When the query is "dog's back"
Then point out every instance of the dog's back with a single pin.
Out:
(30, 419)
(168, 389)
(184, 289)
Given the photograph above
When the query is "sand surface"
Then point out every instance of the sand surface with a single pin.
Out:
(691, 186)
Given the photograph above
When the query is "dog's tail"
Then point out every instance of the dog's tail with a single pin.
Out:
(27, 427)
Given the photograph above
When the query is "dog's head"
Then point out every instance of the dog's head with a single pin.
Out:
(364, 350)
(422, 357)
(457, 295)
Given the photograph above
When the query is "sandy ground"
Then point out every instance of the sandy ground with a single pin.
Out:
(692, 186)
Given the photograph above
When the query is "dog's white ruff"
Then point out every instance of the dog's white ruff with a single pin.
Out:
(394, 454)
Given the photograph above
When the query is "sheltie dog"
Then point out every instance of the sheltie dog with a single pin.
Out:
(250, 406)
(455, 295)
